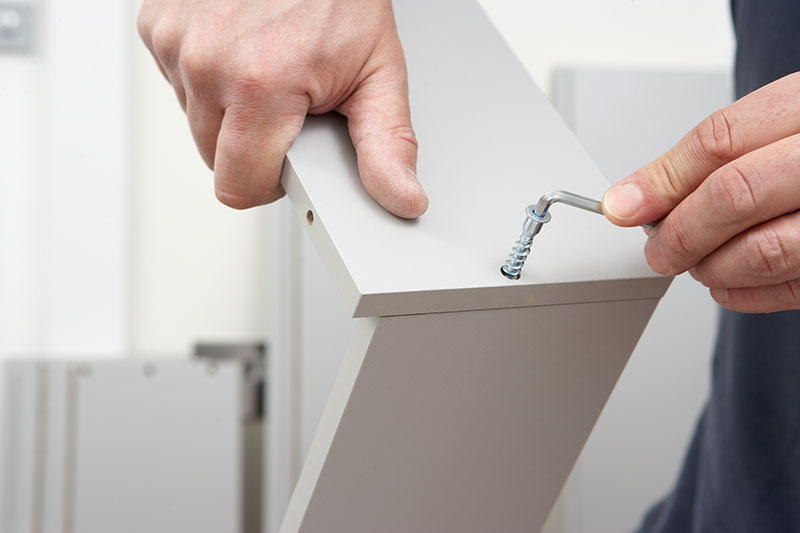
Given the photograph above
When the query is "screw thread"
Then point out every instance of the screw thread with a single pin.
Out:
(516, 259)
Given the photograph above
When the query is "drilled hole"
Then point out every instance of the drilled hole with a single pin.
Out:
(310, 217)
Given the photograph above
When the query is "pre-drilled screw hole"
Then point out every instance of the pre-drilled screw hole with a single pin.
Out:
(310, 217)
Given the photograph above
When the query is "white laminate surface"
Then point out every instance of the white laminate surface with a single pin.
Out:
(490, 144)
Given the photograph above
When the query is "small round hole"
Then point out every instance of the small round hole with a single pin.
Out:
(310, 217)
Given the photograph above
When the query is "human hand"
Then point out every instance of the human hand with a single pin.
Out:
(728, 195)
(247, 73)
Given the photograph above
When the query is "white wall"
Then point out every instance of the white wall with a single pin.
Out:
(64, 146)
(625, 33)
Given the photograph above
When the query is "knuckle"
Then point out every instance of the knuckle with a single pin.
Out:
(252, 84)
(404, 132)
(705, 274)
(735, 189)
(197, 60)
(670, 183)
(675, 239)
(143, 22)
(252, 77)
(165, 42)
(767, 254)
(716, 137)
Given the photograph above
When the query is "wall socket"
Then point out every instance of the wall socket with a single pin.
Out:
(16, 26)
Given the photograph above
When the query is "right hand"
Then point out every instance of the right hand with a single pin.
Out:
(728, 196)
(246, 73)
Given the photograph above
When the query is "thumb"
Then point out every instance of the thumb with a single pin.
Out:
(654, 190)
(379, 120)
(755, 121)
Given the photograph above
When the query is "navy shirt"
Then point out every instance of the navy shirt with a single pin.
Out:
(742, 470)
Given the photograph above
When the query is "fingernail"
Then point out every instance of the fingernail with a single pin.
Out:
(623, 201)
(412, 177)
(420, 204)
(655, 256)
(720, 295)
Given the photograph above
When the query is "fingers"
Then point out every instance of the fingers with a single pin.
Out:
(251, 147)
(246, 74)
(756, 120)
(755, 188)
(386, 148)
(160, 31)
(780, 297)
(205, 121)
(764, 255)
(201, 84)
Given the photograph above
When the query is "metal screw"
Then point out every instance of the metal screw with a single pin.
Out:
(519, 253)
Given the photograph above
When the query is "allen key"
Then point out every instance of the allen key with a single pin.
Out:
(537, 216)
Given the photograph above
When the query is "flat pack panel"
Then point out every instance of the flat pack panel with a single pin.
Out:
(490, 144)
(466, 421)
(156, 447)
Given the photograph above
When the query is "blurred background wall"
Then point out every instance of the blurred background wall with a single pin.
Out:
(111, 241)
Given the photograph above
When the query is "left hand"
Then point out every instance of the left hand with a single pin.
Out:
(728, 195)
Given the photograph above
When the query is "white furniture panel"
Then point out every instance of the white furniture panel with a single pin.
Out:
(401, 445)
(124, 446)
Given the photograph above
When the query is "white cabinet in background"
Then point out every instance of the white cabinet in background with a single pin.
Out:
(127, 446)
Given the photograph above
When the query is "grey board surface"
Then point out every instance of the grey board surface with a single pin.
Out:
(461, 422)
